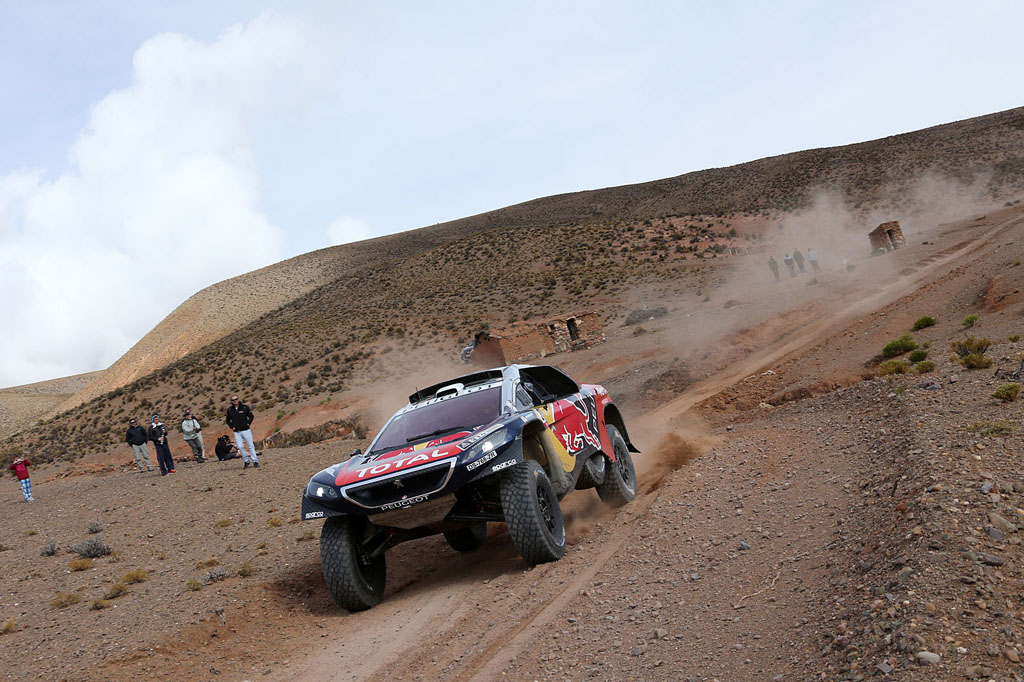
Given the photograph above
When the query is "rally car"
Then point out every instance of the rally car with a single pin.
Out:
(502, 445)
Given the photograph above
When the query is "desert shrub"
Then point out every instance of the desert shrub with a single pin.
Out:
(80, 564)
(194, 585)
(922, 322)
(8, 626)
(63, 599)
(223, 523)
(917, 355)
(306, 535)
(1014, 338)
(975, 361)
(990, 428)
(49, 549)
(273, 522)
(970, 346)
(923, 367)
(246, 570)
(95, 527)
(899, 346)
(207, 563)
(894, 367)
(100, 604)
(116, 590)
(91, 548)
(969, 321)
(136, 576)
(1007, 392)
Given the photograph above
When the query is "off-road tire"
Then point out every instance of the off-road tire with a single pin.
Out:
(619, 485)
(532, 513)
(587, 477)
(355, 584)
(467, 539)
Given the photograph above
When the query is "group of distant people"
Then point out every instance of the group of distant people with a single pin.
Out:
(794, 261)
(239, 417)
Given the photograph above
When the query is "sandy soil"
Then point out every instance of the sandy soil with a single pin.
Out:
(798, 521)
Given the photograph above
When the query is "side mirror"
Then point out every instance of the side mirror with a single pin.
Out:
(357, 451)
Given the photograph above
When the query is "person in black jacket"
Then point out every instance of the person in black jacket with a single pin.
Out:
(158, 434)
(136, 437)
(239, 418)
(225, 449)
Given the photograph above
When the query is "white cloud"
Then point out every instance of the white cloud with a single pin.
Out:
(162, 199)
(348, 229)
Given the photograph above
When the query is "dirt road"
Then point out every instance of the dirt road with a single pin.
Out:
(731, 565)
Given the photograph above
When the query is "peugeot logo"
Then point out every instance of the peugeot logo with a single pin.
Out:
(398, 483)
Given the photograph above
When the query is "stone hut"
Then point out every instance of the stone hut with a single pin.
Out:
(887, 237)
(533, 339)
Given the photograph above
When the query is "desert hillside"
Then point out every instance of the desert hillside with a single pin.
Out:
(816, 501)
(976, 160)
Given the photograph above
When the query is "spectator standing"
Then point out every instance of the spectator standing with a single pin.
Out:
(136, 437)
(225, 449)
(20, 468)
(788, 260)
(158, 434)
(773, 265)
(799, 259)
(239, 418)
(191, 430)
(812, 257)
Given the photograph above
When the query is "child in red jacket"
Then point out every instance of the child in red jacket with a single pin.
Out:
(20, 468)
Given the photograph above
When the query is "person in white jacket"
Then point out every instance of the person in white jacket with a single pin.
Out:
(191, 430)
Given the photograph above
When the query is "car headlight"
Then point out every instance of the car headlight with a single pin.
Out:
(485, 450)
(321, 491)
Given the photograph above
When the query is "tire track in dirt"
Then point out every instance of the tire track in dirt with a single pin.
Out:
(498, 654)
(431, 603)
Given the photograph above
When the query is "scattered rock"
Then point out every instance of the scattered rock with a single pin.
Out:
(975, 672)
(991, 559)
(927, 658)
(1001, 523)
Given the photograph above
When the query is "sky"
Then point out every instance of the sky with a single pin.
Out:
(151, 149)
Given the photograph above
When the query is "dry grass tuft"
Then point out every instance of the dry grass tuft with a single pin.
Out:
(136, 576)
(116, 590)
(1007, 392)
(63, 599)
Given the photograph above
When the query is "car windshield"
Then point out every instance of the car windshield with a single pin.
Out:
(461, 413)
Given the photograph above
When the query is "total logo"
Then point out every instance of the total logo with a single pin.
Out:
(403, 462)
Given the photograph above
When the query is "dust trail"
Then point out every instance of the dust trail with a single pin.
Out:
(673, 452)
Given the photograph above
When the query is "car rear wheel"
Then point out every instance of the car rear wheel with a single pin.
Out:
(593, 472)
(467, 539)
(532, 513)
(619, 484)
(355, 581)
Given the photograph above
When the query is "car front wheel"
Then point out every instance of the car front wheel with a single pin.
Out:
(355, 581)
(532, 513)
